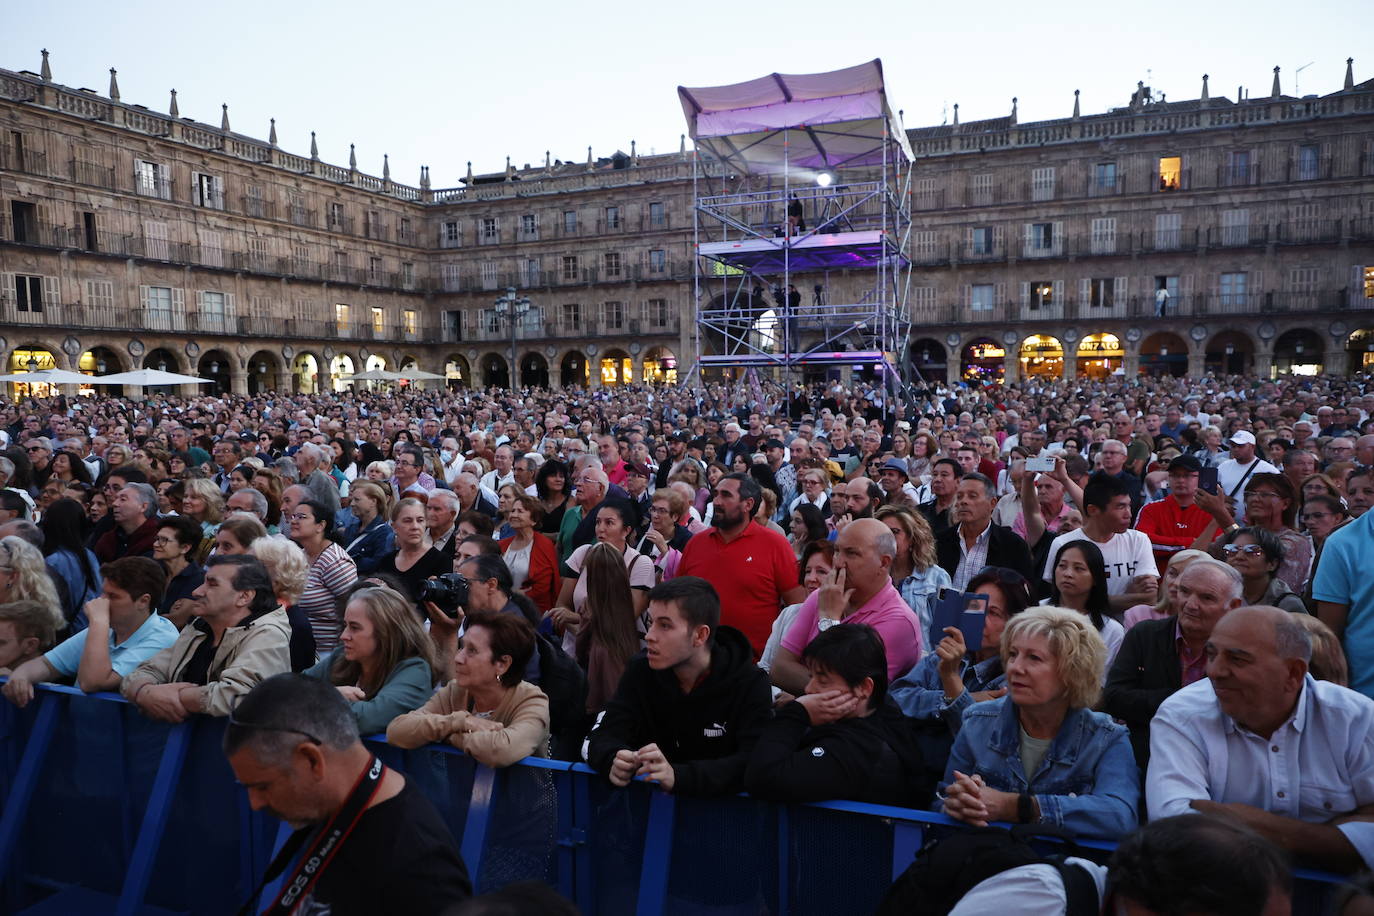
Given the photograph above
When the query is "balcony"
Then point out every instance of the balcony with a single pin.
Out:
(376, 231)
(300, 216)
(257, 207)
(340, 223)
(1309, 169)
(1105, 185)
(24, 159)
(90, 173)
(1238, 176)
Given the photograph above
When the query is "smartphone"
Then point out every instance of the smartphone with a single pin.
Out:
(1207, 480)
(1040, 465)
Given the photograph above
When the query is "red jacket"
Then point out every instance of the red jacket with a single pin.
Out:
(541, 582)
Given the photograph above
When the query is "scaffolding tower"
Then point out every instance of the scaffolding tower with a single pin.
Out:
(801, 224)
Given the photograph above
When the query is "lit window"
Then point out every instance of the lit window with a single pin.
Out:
(1170, 173)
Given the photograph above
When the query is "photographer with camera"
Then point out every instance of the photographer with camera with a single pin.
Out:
(481, 584)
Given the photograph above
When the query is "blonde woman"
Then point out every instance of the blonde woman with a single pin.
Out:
(385, 664)
(289, 569)
(916, 574)
(24, 577)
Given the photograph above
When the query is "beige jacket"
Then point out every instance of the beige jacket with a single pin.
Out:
(248, 653)
(524, 712)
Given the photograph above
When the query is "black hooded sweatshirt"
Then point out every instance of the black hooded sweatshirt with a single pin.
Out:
(884, 758)
(706, 734)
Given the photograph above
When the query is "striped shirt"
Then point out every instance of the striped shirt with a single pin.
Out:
(330, 576)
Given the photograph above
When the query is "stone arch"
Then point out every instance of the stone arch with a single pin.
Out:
(982, 360)
(616, 367)
(928, 359)
(1230, 352)
(216, 365)
(166, 359)
(457, 371)
(495, 370)
(1359, 348)
(341, 370)
(574, 370)
(534, 370)
(305, 372)
(1100, 355)
(33, 357)
(660, 365)
(1164, 353)
(1041, 356)
(1298, 351)
(264, 367)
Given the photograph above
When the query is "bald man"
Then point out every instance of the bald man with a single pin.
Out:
(857, 590)
(1262, 741)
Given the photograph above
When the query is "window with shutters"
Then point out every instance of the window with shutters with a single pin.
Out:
(1103, 235)
(296, 211)
(411, 322)
(257, 252)
(571, 316)
(213, 311)
(207, 191)
(569, 221)
(489, 232)
(529, 226)
(923, 244)
(1235, 227)
(155, 243)
(261, 307)
(341, 265)
(1303, 279)
(1168, 231)
(613, 316)
(612, 217)
(28, 293)
(253, 204)
(378, 322)
(658, 216)
(922, 302)
(342, 317)
(927, 195)
(981, 238)
(1309, 162)
(211, 248)
(658, 261)
(1236, 172)
(1304, 226)
(335, 215)
(1042, 183)
(1040, 239)
(449, 276)
(408, 275)
(1233, 289)
(1102, 292)
(1104, 178)
(152, 179)
(490, 276)
(611, 262)
(375, 270)
(982, 297)
(100, 294)
(1170, 170)
(300, 259)
(1040, 295)
(980, 189)
(450, 234)
(656, 312)
(570, 267)
(404, 234)
(533, 275)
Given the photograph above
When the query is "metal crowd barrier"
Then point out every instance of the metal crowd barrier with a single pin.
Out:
(108, 812)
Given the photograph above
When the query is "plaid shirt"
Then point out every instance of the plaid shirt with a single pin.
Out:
(971, 559)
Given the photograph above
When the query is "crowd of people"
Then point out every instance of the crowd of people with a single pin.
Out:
(1090, 605)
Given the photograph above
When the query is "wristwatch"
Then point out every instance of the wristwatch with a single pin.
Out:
(825, 623)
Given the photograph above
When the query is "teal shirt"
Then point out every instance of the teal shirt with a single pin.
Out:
(152, 636)
(408, 688)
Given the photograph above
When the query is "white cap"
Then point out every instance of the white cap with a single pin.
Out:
(1243, 437)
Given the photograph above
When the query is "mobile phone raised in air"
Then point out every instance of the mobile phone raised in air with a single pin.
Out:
(1207, 480)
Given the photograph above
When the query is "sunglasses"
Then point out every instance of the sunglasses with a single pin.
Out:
(1253, 550)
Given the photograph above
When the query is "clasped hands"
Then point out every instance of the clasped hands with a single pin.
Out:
(972, 801)
(648, 762)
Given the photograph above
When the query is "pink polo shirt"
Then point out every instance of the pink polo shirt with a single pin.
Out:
(885, 612)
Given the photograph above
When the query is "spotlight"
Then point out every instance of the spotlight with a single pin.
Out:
(825, 179)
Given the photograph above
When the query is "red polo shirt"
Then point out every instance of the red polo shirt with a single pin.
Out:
(1171, 527)
(750, 574)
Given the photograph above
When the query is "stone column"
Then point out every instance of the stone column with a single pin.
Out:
(1264, 363)
(284, 380)
(1011, 364)
(1336, 361)
(1130, 363)
(1197, 361)
(1071, 361)
(238, 380)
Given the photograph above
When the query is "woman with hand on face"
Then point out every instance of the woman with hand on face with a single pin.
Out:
(844, 738)
(1040, 754)
(415, 558)
(174, 547)
(486, 710)
(384, 664)
(817, 560)
(952, 678)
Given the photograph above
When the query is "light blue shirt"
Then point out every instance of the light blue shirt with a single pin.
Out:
(1342, 578)
(153, 635)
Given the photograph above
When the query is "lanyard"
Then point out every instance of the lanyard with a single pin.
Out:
(322, 850)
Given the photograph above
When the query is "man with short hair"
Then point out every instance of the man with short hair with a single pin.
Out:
(409, 461)
(1298, 465)
(470, 499)
(249, 500)
(123, 631)
(40, 451)
(441, 516)
(502, 472)
(524, 470)
(310, 459)
(1159, 657)
(1364, 453)
(1264, 742)
(366, 840)
(1340, 448)
(1234, 474)
(1113, 460)
(862, 498)
(134, 510)
(608, 452)
(688, 711)
(750, 563)
(27, 630)
(1125, 551)
(1175, 522)
(858, 589)
(180, 437)
(944, 481)
(967, 456)
(226, 454)
(975, 541)
(239, 636)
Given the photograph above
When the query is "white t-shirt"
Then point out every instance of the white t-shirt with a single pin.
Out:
(1126, 556)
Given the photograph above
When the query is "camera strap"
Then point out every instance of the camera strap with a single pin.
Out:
(322, 849)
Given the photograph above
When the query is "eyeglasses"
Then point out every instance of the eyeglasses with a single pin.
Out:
(1262, 494)
(162, 540)
(262, 726)
(658, 510)
(1253, 550)
(301, 517)
(34, 448)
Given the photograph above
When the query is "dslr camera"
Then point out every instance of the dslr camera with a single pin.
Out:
(448, 591)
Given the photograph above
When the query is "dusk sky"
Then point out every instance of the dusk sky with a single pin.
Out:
(440, 84)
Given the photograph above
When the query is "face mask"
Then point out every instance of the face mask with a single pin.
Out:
(445, 455)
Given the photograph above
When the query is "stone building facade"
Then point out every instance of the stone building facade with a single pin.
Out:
(130, 239)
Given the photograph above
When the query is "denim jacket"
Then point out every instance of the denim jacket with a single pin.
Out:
(920, 694)
(373, 542)
(1088, 782)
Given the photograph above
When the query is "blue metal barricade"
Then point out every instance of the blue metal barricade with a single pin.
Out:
(107, 812)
